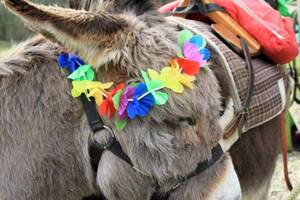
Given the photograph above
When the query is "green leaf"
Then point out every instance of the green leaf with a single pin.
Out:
(205, 70)
(120, 124)
(134, 84)
(117, 99)
(184, 36)
(154, 85)
(90, 75)
(161, 98)
(84, 72)
(145, 77)
(179, 54)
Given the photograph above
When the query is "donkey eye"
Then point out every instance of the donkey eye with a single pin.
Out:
(187, 120)
(182, 121)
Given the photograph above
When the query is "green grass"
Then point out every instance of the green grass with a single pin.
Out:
(4, 45)
(298, 64)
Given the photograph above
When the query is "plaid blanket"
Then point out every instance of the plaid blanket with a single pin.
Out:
(269, 95)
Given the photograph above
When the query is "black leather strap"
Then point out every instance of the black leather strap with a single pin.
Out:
(95, 121)
(213, 7)
(251, 74)
(117, 150)
(217, 153)
(94, 197)
(198, 6)
(95, 153)
(95, 149)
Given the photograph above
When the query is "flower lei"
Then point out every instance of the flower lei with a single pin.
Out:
(137, 99)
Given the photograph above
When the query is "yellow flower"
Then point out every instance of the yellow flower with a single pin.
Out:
(172, 77)
(91, 89)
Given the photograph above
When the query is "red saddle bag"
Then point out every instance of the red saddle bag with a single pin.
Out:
(274, 32)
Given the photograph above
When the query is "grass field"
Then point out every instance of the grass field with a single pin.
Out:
(3, 45)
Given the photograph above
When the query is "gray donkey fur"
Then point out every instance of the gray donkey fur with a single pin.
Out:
(45, 134)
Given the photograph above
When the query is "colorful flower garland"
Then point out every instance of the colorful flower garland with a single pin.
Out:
(137, 99)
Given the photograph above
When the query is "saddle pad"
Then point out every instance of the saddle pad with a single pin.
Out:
(269, 94)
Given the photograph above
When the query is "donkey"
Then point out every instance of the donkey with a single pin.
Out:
(45, 134)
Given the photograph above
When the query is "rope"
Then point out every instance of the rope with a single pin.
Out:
(293, 195)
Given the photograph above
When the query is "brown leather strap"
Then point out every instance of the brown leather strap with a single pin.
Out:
(240, 117)
(251, 74)
(284, 152)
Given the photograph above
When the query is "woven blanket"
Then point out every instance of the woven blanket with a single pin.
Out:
(269, 95)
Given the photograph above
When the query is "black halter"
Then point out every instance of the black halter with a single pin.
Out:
(95, 151)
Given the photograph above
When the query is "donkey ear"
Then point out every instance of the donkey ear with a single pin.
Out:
(68, 24)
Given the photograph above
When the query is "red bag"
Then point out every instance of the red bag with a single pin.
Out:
(274, 32)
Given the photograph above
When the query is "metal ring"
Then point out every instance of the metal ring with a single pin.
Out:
(111, 137)
(112, 133)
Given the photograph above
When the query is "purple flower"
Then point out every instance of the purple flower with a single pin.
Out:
(191, 52)
(128, 94)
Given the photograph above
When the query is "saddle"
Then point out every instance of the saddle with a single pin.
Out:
(259, 88)
(257, 85)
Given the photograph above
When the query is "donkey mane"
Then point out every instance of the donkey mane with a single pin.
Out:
(138, 7)
(21, 58)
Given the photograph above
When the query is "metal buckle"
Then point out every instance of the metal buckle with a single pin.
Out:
(176, 186)
(111, 139)
(109, 130)
(180, 182)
